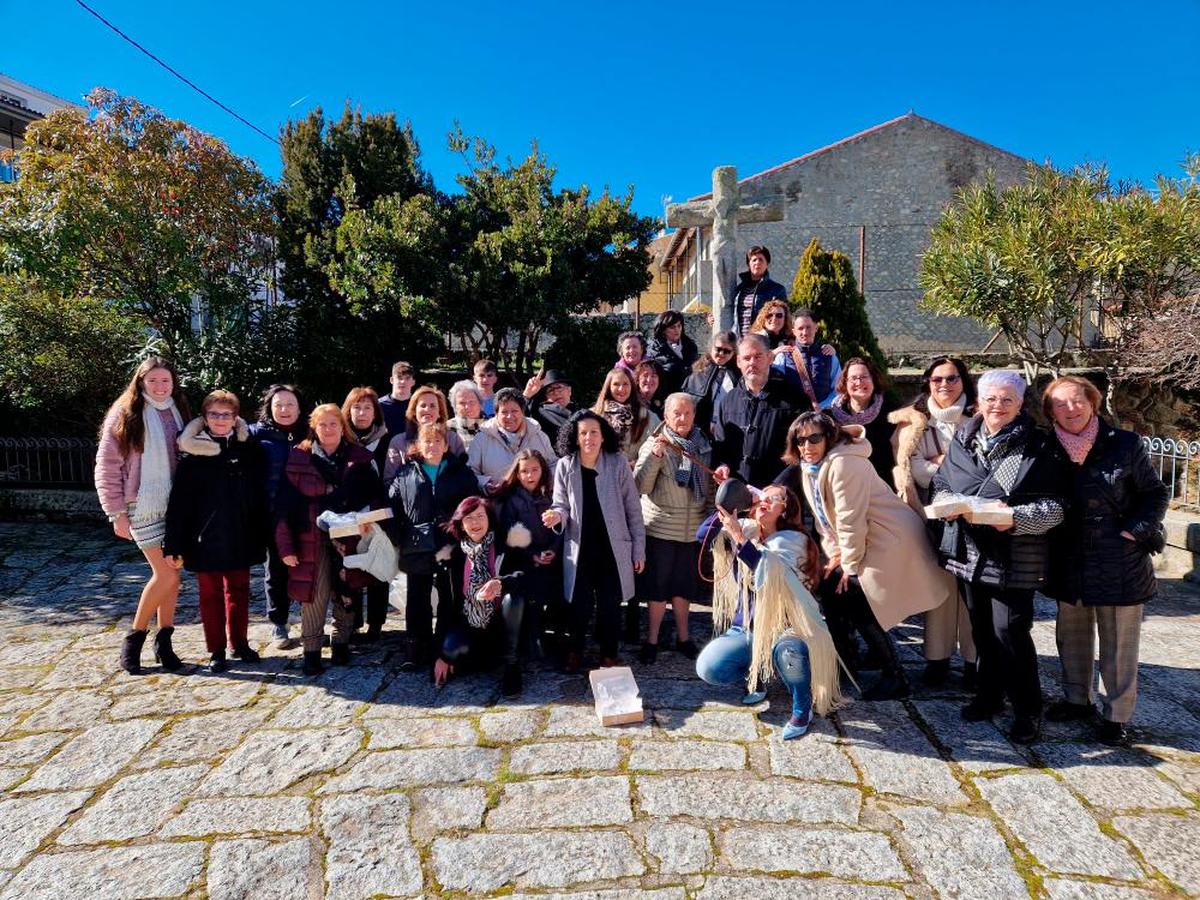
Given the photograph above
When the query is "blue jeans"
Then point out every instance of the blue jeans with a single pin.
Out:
(726, 660)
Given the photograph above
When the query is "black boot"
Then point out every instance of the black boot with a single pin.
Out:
(510, 680)
(312, 663)
(970, 675)
(131, 651)
(246, 653)
(893, 683)
(417, 653)
(163, 652)
(339, 655)
(218, 663)
(936, 672)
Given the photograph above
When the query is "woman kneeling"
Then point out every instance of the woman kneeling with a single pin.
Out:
(480, 603)
(762, 606)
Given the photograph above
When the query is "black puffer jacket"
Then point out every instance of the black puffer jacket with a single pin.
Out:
(980, 553)
(674, 369)
(217, 514)
(1116, 489)
(419, 504)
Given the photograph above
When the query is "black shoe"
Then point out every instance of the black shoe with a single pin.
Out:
(648, 655)
(1066, 711)
(889, 687)
(417, 656)
(1025, 729)
(246, 653)
(339, 655)
(312, 663)
(163, 652)
(970, 675)
(131, 652)
(687, 649)
(979, 710)
(1112, 734)
(370, 636)
(217, 664)
(936, 672)
(511, 681)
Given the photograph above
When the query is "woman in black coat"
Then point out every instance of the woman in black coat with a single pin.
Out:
(365, 415)
(1001, 455)
(673, 350)
(1101, 574)
(718, 375)
(425, 492)
(216, 522)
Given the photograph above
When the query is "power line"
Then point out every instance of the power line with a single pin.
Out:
(195, 87)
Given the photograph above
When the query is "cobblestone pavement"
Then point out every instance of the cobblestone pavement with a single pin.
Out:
(368, 782)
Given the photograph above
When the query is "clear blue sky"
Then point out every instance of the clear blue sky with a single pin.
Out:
(650, 94)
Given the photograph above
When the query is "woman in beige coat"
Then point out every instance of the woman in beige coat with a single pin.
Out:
(923, 434)
(879, 569)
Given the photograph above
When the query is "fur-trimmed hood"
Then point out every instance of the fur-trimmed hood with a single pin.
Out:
(911, 425)
(195, 441)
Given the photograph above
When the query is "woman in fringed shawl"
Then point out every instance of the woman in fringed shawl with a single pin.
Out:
(763, 610)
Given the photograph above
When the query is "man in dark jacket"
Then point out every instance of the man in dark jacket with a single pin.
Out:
(754, 288)
(395, 404)
(551, 404)
(750, 426)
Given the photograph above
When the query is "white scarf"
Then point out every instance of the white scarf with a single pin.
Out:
(154, 489)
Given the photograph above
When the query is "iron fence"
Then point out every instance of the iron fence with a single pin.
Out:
(55, 462)
(1178, 464)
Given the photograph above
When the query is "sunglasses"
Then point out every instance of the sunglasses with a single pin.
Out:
(812, 439)
(775, 315)
(723, 350)
(948, 379)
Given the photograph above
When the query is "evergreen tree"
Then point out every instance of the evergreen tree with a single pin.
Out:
(825, 283)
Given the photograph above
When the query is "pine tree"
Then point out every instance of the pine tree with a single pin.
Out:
(825, 283)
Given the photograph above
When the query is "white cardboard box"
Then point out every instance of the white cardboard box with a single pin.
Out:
(618, 701)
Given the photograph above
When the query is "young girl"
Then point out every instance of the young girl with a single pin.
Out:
(525, 493)
(620, 403)
(135, 465)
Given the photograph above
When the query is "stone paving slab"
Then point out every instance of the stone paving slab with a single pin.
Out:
(371, 782)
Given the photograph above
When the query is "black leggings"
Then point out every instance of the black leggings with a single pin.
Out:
(849, 611)
(477, 646)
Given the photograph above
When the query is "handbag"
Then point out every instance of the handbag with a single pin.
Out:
(421, 538)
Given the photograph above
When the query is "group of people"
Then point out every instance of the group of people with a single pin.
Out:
(767, 466)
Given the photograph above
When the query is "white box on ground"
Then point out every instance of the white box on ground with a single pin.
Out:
(617, 699)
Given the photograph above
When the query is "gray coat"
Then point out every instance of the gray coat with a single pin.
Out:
(622, 515)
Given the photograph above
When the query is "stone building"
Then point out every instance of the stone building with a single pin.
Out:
(873, 196)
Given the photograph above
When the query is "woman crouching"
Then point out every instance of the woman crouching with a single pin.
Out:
(480, 601)
(767, 619)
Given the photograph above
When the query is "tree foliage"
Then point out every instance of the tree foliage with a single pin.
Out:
(825, 283)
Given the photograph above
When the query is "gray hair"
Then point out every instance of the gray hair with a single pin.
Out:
(465, 385)
(758, 340)
(1001, 378)
(680, 396)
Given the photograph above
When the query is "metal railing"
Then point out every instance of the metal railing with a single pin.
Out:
(1178, 464)
(55, 462)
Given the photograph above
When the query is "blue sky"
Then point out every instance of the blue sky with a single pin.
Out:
(652, 95)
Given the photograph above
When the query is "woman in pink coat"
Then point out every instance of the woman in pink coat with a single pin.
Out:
(135, 465)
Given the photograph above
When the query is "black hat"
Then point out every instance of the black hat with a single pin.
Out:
(735, 496)
(553, 377)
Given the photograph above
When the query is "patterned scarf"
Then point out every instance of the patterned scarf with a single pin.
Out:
(479, 612)
(841, 411)
(1078, 446)
(620, 417)
(1001, 453)
(154, 489)
(687, 472)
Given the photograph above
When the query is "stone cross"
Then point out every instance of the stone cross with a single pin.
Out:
(723, 213)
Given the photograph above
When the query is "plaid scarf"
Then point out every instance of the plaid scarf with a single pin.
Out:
(687, 472)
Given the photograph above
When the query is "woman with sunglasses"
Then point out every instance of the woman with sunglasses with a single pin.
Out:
(774, 322)
(764, 615)
(924, 432)
(1001, 455)
(879, 569)
(713, 376)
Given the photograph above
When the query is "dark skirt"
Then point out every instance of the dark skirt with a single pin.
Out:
(670, 569)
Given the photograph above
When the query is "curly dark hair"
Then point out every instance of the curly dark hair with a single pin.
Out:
(568, 435)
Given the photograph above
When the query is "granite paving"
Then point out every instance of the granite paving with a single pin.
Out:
(370, 782)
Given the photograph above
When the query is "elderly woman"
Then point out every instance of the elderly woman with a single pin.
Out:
(501, 438)
(923, 434)
(715, 375)
(216, 523)
(135, 464)
(673, 350)
(467, 403)
(620, 403)
(427, 406)
(605, 538)
(1101, 572)
(862, 400)
(879, 569)
(326, 471)
(766, 618)
(282, 424)
(631, 350)
(425, 492)
(671, 475)
(1000, 455)
(774, 322)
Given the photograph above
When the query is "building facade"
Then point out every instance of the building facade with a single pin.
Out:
(21, 104)
(873, 196)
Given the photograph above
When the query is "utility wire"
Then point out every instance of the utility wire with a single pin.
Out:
(177, 74)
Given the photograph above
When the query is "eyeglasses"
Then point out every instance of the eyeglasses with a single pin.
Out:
(220, 416)
(812, 439)
(948, 379)
(858, 379)
(772, 500)
(998, 401)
